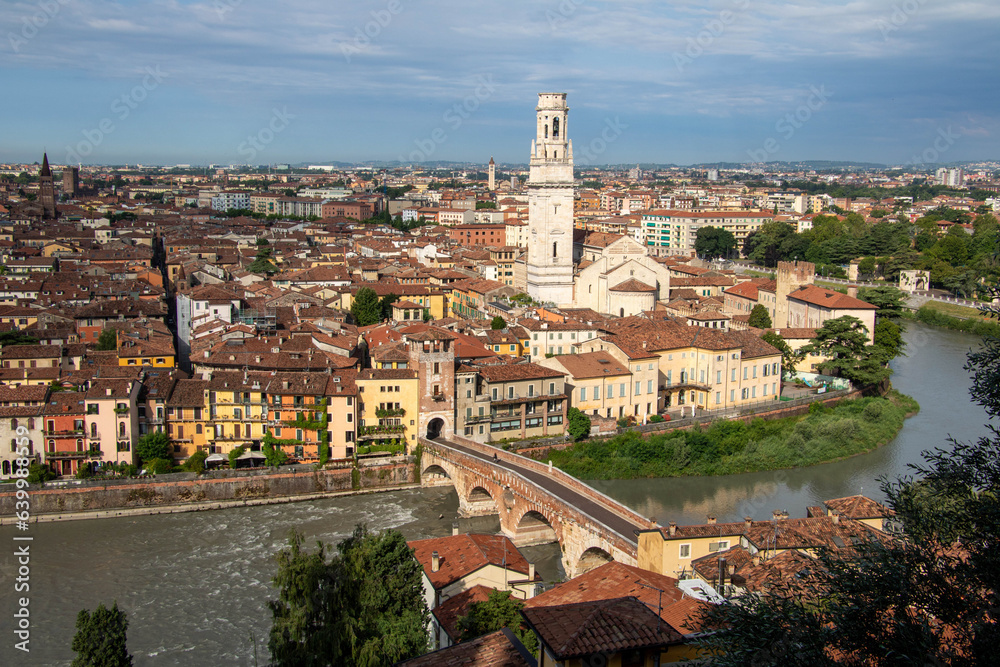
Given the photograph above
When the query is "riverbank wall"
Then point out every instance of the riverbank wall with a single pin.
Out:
(187, 492)
(781, 410)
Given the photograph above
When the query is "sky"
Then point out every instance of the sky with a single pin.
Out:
(314, 81)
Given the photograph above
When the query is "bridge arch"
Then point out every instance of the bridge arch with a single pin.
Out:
(592, 558)
(434, 473)
(534, 528)
(434, 428)
(481, 501)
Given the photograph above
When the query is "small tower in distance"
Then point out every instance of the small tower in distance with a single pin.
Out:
(47, 190)
(550, 204)
(493, 174)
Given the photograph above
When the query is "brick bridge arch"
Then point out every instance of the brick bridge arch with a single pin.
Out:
(530, 514)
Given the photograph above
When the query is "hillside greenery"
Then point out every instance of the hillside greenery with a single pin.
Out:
(730, 447)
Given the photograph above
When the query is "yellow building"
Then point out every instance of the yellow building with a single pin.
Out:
(183, 417)
(390, 409)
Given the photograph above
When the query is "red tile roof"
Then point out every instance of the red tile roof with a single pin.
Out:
(497, 649)
(461, 555)
(825, 298)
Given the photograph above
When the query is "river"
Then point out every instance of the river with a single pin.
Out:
(931, 373)
(196, 585)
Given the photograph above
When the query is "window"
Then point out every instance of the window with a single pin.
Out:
(733, 378)
(555, 420)
(685, 551)
(718, 397)
(552, 388)
(649, 386)
(721, 545)
(638, 387)
(718, 377)
(496, 394)
(510, 392)
(745, 371)
(621, 390)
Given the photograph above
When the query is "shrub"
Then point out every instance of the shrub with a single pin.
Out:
(196, 462)
(39, 474)
(158, 466)
(655, 419)
(872, 412)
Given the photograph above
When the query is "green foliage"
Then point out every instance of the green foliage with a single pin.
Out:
(108, 340)
(789, 357)
(729, 447)
(100, 639)
(15, 337)
(363, 606)
(84, 471)
(366, 307)
(196, 462)
(714, 242)
(929, 597)
(355, 478)
(39, 474)
(888, 299)
(844, 341)
(155, 445)
(274, 456)
(498, 323)
(485, 204)
(759, 317)
(888, 336)
(385, 305)
(577, 424)
(929, 315)
(235, 453)
(499, 611)
(158, 466)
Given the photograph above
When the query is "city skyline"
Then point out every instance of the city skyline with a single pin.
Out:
(237, 82)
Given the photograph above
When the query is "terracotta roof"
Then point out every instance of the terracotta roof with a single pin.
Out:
(497, 649)
(518, 371)
(585, 628)
(592, 364)
(448, 612)
(825, 298)
(461, 555)
(859, 507)
(633, 285)
(616, 580)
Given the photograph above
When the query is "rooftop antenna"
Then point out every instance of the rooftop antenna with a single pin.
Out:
(659, 602)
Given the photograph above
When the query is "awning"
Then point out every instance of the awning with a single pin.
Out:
(250, 455)
(212, 458)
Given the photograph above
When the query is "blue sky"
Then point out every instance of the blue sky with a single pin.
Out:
(238, 81)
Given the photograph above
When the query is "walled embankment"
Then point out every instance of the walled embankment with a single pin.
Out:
(187, 492)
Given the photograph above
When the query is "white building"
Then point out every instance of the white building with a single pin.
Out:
(550, 204)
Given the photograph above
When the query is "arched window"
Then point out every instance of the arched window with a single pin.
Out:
(13, 424)
(197, 429)
(555, 128)
(93, 429)
(546, 130)
(52, 445)
(6, 468)
(121, 429)
(79, 444)
(621, 312)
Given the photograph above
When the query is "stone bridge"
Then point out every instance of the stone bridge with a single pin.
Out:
(536, 504)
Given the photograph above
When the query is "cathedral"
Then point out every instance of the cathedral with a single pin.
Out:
(609, 273)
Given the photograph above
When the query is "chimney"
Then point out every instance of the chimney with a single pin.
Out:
(531, 571)
(723, 570)
(107, 391)
(747, 522)
(852, 291)
(435, 561)
(835, 515)
(776, 515)
(672, 527)
(711, 521)
(454, 526)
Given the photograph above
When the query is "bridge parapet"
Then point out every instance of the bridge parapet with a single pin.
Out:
(563, 478)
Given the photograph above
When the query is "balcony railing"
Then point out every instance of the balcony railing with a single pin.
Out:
(91, 453)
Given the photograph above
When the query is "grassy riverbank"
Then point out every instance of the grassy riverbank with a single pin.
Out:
(730, 447)
(969, 320)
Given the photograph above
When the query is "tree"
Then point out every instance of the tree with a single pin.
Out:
(262, 262)
(928, 597)
(108, 340)
(364, 606)
(499, 611)
(888, 336)
(366, 308)
(234, 454)
(578, 424)
(385, 305)
(101, 637)
(714, 242)
(498, 323)
(155, 445)
(196, 462)
(759, 317)
(844, 341)
(274, 456)
(889, 300)
(789, 358)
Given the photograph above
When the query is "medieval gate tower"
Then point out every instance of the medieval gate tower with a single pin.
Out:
(550, 205)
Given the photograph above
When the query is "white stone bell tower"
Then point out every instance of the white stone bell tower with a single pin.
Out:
(550, 205)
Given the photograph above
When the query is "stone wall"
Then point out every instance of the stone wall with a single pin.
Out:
(183, 489)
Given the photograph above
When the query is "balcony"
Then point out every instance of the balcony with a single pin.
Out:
(90, 453)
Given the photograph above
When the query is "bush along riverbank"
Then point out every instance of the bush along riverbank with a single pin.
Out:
(730, 447)
(976, 326)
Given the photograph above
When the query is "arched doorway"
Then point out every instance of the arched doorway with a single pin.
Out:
(532, 529)
(434, 428)
(592, 558)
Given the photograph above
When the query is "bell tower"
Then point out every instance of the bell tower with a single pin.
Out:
(550, 204)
